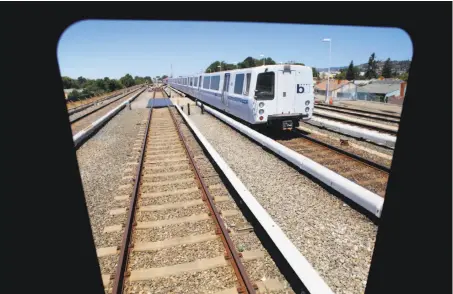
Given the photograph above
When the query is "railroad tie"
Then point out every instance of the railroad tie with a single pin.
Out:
(195, 266)
(178, 159)
(173, 221)
(158, 245)
(107, 251)
(171, 205)
(118, 211)
(174, 182)
(121, 198)
(112, 229)
(169, 193)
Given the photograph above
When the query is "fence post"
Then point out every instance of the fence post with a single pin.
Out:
(202, 108)
(188, 109)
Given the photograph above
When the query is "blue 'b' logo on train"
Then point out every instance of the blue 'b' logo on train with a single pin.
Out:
(300, 89)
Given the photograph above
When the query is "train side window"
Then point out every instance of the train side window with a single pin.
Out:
(196, 82)
(247, 86)
(190, 82)
(215, 82)
(238, 84)
(206, 82)
(265, 86)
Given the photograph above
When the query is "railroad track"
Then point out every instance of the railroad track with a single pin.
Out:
(358, 111)
(184, 232)
(366, 173)
(375, 116)
(81, 122)
(93, 101)
(387, 128)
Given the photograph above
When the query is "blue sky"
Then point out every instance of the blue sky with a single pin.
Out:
(97, 49)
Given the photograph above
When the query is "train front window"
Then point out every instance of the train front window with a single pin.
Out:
(265, 85)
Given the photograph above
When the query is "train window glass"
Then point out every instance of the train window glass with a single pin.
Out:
(215, 82)
(196, 82)
(190, 82)
(238, 84)
(265, 85)
(247, 86)
(206, 82)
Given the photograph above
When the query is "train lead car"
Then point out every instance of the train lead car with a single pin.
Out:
(270, 95)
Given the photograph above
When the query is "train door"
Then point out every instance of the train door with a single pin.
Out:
(226, 85)
(286, 92)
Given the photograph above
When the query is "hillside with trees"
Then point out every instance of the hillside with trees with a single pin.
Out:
(217, 66)
(373, 69)
(85, 88)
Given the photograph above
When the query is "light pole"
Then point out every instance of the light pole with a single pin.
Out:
(330, 59)
(264, 60)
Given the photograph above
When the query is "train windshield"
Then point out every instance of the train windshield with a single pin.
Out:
(265, 86)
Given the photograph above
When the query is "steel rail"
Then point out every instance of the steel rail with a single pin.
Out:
(233, 256)
(97, 109)
(355, 157)
(125, 245)
(363, 125)
(358, 114)
(359, 110)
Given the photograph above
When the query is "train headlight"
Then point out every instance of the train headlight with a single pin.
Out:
(261, 105)
(261, 111)
(307, 109)
(307, 102)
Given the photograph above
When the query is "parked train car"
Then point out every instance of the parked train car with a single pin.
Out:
(273, 95)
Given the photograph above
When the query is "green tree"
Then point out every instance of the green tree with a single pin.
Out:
(248, 62)
(213, 67)
(341, 75)
(371, 68)
(269, 61)
(74, 95)
(404, 76)
(81, 81)
(315, 72)
(350, 74)
(387, 69)
(67, 82)
(127, 81)
(357, 75)
(100, 85)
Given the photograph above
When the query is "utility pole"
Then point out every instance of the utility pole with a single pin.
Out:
(330, 60)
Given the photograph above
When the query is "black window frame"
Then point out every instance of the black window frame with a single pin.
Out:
(258, 94)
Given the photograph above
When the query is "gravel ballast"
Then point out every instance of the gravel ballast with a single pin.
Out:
(337, 240)
(92, 107)
(85, 122)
